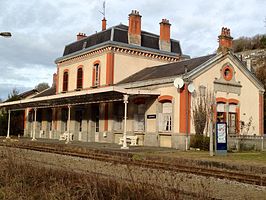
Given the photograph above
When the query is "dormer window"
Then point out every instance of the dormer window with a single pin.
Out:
(80, 78)
(96, 75)
(65, 82)
(84, 45)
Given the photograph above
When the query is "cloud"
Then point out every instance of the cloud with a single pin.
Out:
(5, 90)
(41, 29)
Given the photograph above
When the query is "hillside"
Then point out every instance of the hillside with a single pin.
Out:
(251, 50)
(249, 43)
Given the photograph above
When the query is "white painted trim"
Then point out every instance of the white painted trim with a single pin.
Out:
(209, 64)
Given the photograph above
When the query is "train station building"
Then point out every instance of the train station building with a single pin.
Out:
(121, 80)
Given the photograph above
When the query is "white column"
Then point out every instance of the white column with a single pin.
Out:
(212, 127)
(125, 124)
(68, 125)
(34, 125)
(8, 125)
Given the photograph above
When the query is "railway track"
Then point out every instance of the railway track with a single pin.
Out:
(128, 158)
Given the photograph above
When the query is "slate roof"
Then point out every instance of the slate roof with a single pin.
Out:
(167, 70)
(48, 92)
(28, 93)
(120, 34)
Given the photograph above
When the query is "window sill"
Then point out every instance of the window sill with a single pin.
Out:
(165, 132)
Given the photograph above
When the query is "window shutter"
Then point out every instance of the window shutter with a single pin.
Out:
(93, 76)
(160, 121)
(136, 123)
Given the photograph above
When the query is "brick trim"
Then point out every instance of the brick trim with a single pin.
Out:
(165, 98)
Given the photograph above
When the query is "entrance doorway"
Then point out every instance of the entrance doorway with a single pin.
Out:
(95, 116)
(78, 119)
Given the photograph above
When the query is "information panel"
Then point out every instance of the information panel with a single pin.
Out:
(221, 137)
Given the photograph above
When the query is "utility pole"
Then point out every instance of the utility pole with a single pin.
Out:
(211, 125)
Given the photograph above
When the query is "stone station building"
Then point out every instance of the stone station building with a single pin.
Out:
(121, 81)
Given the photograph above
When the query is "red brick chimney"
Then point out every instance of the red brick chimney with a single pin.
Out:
(134, 28)
(54, 79)
(165, 43)
(80, 36)
(104, 24)
(225, 41)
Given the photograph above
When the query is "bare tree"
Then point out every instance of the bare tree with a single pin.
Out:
(202, 108)
(42, 86)
(13, 95)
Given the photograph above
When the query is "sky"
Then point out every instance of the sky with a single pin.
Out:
(41, 28)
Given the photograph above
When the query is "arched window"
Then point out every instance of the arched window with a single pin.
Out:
(96, 75)
(165, 117)
(80, 78)
(65, 82)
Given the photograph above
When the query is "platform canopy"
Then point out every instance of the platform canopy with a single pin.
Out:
(97, 95)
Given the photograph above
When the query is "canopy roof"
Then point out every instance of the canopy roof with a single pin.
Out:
(106, 94)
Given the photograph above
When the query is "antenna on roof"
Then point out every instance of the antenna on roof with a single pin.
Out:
(103, 11)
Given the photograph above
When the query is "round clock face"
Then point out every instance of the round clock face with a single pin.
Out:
(227, 73)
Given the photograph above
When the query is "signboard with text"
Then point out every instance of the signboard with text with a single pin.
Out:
(221, 137)
(151, 116)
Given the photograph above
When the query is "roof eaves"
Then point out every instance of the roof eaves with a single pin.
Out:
(83, 51)
(80, 52)
(202, 67)
(149, 82)
(145, 48)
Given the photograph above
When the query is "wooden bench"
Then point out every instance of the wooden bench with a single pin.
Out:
(133, 140)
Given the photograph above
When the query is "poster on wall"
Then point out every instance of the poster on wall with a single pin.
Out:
(221, 133)
(221, 137)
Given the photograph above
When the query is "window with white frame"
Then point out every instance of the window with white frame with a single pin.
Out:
(139, 118)
(232, 126)
(96, 75)
(165, 117)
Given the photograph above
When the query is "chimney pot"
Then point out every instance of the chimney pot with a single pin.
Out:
(225, 40)
(104, 24)
(80, 36)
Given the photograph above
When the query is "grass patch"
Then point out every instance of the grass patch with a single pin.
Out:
(254, 158)
(19, 180)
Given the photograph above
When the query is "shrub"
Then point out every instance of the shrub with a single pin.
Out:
(200, 141)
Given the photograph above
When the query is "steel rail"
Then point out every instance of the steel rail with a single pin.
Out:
(122, 158)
